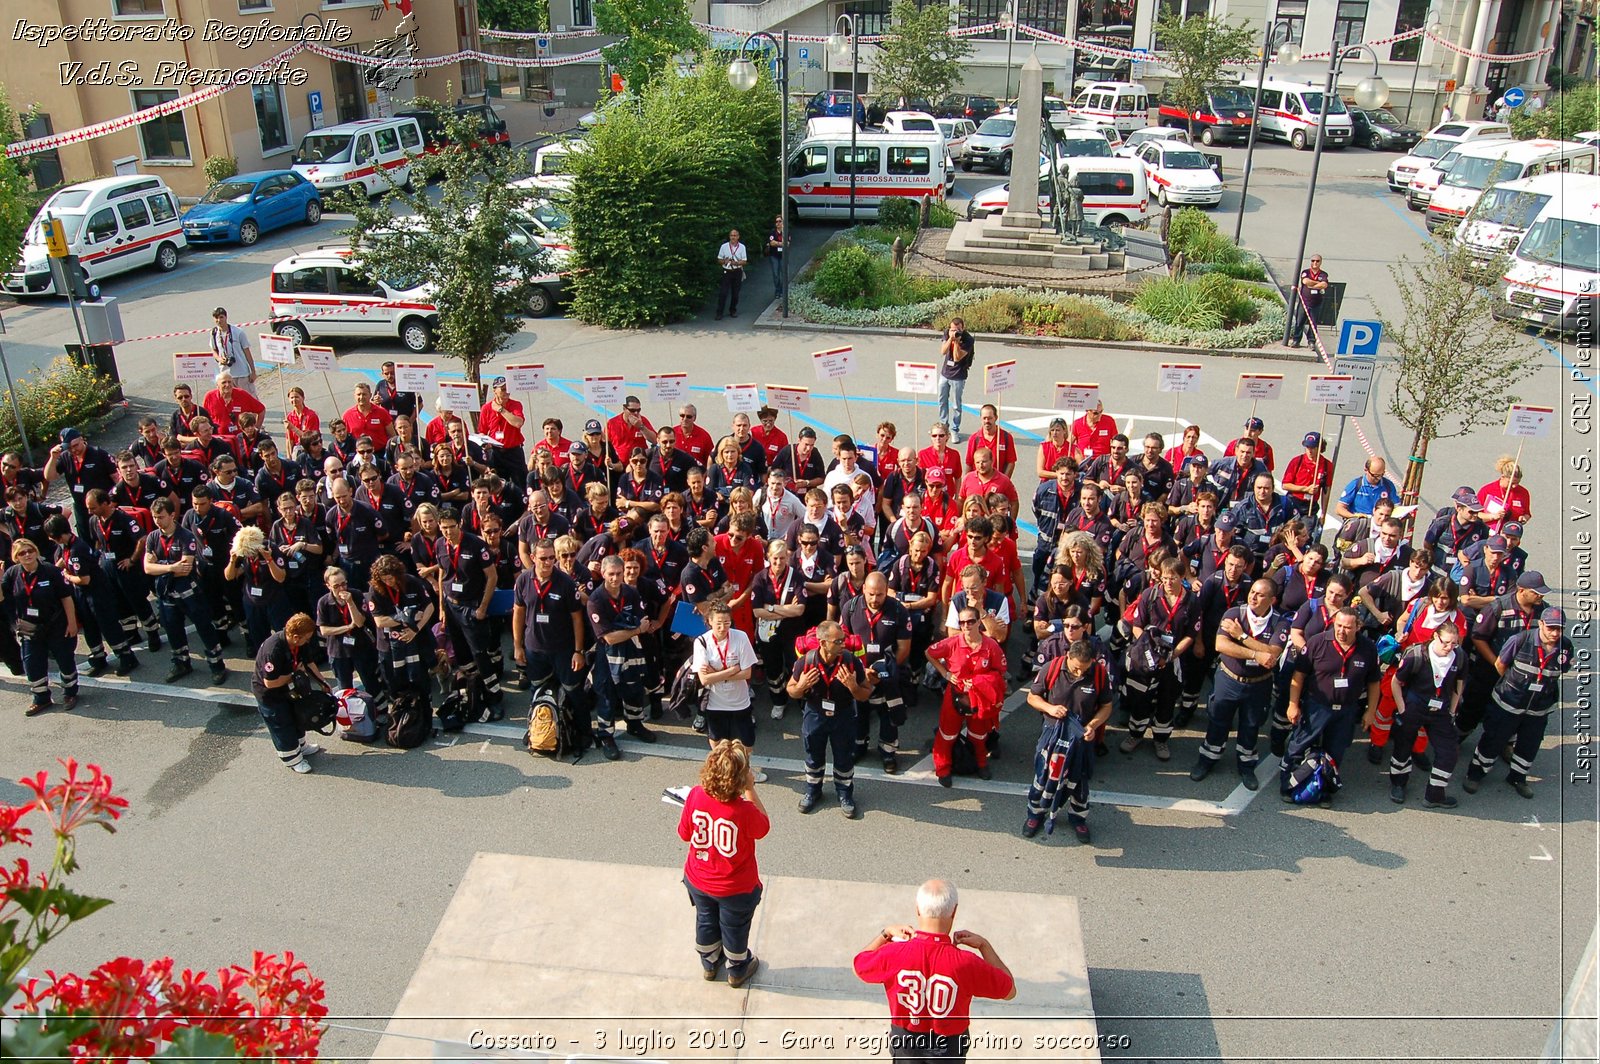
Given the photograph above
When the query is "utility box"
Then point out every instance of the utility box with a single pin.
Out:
(102, 321)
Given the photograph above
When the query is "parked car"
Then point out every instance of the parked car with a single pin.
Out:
(112, 224)
(1382, 131)
(1179, 174)
(956, 131)
(834, 103)
(991, 146)
(491, 127)
(1082, 142)
(1225, 116)
(1141, 137)
(1437, 144)
(967, 105)
(247, 205)
(1115, 193)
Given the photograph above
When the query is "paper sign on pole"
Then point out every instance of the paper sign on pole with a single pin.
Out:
(834, 363)
(276, 350)
(194, 366)
(1178, 377)
(603, 391)
(786, 397)
(742, 398)
(1076, 396)
(459, 396)
(415, 376)
(918, 378)
(1000, 376)
(319, 358)
(1529, 422)
(1328, 390)
(670, 387)
(526, 377)
(1257, 387)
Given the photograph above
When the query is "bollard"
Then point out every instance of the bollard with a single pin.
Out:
(899, 252)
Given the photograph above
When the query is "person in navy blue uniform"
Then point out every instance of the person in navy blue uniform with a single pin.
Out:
(547, 626)
(384, 501)
(177, 476)
(468, 577)
(830, 683)
(1489, 576)
(1218, 593)
(121, 545)
(23, 518)
(1455, 529)
(352, 528)
(670, 464)
(1531, 665)
(261, 578)
(778, 600)
(296, 542)
(403, 608)
(135, 489)
(1250, 639)
(1233, 477)
(883, 625)
(1165, 622)
(284, 656)
(80, 568)
(273, 478)
(1257, 519)
(82, 468)
(228, 486)
(1494, 626)
(216, 528)
(1427, 686)
(172, 559)
(1073, 692)
(617, 614)
(350, 634)
(40, 609)
(1335, 689)
(412, 486)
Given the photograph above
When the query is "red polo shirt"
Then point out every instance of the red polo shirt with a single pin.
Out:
(375, 423)
(930, 981)
(497, 428)
(972, 484)
(722, 843)
(696, 443)
(223, 415)
(950, 461)
(1092, 441)
(624, 439)
(1003, 447)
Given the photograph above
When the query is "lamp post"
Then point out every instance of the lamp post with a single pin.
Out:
(837, 43)
(1288, 55)
(1433, 27)
(742, 75)
(1369, 93)
(1008, 20)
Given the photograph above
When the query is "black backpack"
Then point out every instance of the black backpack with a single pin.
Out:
(687, 695)
(410, 721)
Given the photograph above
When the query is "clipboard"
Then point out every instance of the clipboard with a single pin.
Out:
(686, 620)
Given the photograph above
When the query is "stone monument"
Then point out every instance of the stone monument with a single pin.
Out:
(1022, 206)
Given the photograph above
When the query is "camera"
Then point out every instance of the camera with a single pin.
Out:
(408, 615)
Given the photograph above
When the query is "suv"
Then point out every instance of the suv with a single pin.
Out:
(328, 292)
(991, 146)
(966, 105)
(831, 103)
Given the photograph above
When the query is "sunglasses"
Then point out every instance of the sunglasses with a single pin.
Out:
(809, 542)
(938, 435)
(969, 622)
(369, 480)
(567, 555)
(632, 409)
(686, 417)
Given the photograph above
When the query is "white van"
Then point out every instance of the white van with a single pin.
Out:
(1440, 140)
(1554, 276)
(1115, 192)
(1124, 104)
(328, 293)
(1290, 110)
(358, 154)
(1492, 162)
(1509, 209)
(885, 164)
(550, 165)
(113, 224)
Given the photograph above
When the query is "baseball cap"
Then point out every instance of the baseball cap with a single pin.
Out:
(1312, 439)
(808, 433)
(1511, 528)
(70, 434)
(577, 448)
(935, 475)
(1254, 424)
(1554, 617)
(591, 427)
(1465, 496)
(1498, 543)
(1533, 580)
(1225, 522)
(1196, 460)
(498, 382)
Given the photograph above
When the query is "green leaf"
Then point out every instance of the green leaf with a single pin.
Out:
(30, 1040)
(75, 906)
(34, 900)
(197, 1046)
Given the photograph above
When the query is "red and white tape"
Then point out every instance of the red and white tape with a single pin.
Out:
(558, 35)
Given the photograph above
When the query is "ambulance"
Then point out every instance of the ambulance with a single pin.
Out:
(1492, 162)
(885, 164)
(1290, 112)
(329, 293)
(357, 155)
(1554, 276)
(1123, 104)
(113, 224)
(1510, 208)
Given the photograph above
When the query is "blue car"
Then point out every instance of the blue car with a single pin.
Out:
(243, 207)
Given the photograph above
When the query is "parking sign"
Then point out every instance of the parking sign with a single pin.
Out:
(1359, 337)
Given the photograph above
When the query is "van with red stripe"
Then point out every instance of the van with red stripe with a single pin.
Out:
(1124, 104)
(328, 292)
(884, 164)
(1290, 111)
(1553, 279)
(370, 155)
(113, 224)
(1493, 162)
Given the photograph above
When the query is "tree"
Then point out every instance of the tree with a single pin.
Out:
(1563, 115)
(917, 58)
(16, 185)
(653, 32)
(466, 245)
(656, 189)
(524, 16)
(1458, 364)
(1196, 49)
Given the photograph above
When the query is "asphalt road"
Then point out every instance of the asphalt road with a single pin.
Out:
(1365, 930)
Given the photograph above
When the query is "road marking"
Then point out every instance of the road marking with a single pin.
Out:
(1405, 216)
(1542, 855)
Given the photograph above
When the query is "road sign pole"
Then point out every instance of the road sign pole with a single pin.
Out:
(1333, 467)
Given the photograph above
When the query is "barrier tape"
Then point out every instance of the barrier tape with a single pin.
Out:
(268, 321)
(558, 35)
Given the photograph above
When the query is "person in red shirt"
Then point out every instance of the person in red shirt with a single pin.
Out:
(1253, 427)
(768, 436)
(888, 453)
(985, 478)
(974, 670)
(501, 419)
(722, 821)
(930, 980)
(992, 438)
(742, 555)
(299, 420)
(1305, 478)
(367, 418)
(626, 431)
(1056, 445)
(226, 402)
(697, 443)
(937, 454)
(1091, 433)
(438, 429)
(553, 441)
(1185, 450)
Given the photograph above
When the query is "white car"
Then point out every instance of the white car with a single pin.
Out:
(1144, 136)
(991, 146)
(1179, 174)
(1082, 142)
(1112, 134)
(956, 131)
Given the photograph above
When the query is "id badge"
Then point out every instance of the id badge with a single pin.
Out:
(1436, 704)
(457, 587)
(349, 640)
(1340, 683)
(294, 563)
(1167, 640)
(344, 550)
(255, 592)
(77, 489)
(1536, 687)
(827, 707)
(872, 648)
(541, 618)
(32, 612)
(208, 553)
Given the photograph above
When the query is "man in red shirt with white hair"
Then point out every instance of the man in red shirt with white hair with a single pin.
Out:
(1092, 433)
(226, 402)
(930, 980)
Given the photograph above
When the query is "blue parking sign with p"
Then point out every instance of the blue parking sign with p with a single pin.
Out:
(1359, 337)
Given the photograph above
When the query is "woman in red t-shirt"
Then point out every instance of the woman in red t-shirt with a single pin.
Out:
(722, 819)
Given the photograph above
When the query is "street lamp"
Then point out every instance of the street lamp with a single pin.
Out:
(1433, 27)
(1288, 55)
(1008, 22)
(743, 76)
(844, 36)
(1369, 93)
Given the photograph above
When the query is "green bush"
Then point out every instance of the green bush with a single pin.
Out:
(1236, 305)
(1189, 225)
(1076, 318)
(998, 312)
(942, 217)
(220, 168)
(856, 277)
(53, 397)
(663, 179)
(844, 276)
(1246, 269)
(1210, 301)
(899, 212)
(1561, 116)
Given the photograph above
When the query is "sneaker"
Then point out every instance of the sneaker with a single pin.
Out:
(1447, 802)
(760, 777)
(698, 724)
(1247, 776)
(891, 764)
(777, 712)
(1202, 769)
(1031, 826)
(984, 773)
(607, 744)
(944, 781)
(637, 730)
(1129, 744)
(180, 669)
(1080, 828)
(955, 438)
(750, 966)
(98, 666)
(1375, 754)
(1163, 751)
(811, 799)
(847, 805)
(126, 665)
(302, 766)
(1397, 793)
(309, 749)
(1524, 788)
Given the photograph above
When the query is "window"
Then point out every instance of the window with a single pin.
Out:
(161, 207)
(1271, 99)
(1184, 9)
(866, 160)
(353, 282)
(1125, 105)
(164, 138)
(909, 160)
(410, 138)
(134, 214)
(388, 140)
(471, 77)
(872, 16)
(1351, 22)
(1411, 15)
(103, 226)
(364, 149)
(982, 12)
(137, 8)
(582, 12)
(814, 160)
(1294, 13)
(272, 122)
(254, 5)
(1104, 184)
(1047, 15)
(310, 279)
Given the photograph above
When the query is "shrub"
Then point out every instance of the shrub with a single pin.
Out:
(942, 217)
(220, 168)
(999, 312)
(1210, 301)
(1248, 268)
(1562, 115)
(858, 277)
(1236, 306)
(844, 275)
(899, 212)
(1188, 225)
(53, 397)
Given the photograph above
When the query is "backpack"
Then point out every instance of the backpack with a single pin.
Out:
(410, 722)
(1314, 778)
(543, 734)
(687, 695)
(315, 710)
(558, 727)
(452, 712)
(355, 716)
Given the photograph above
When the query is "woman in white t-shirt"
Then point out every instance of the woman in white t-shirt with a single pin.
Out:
(724, 659)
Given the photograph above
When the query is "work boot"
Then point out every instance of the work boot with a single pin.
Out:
(219, 674)
(811, 799)
(891, 764)
(1202, 769)
(98, 666)
(126, 664)
(1129, 744)
(1442, 802)
(1247, 776)
(1471, 784)
(180, 669)
(637, 730)
(1031, 826)
(1397, 793)
(1375, 753)
(1522, 787)
(607, 744)
(154, 641)
(847, 803)
(1163, 751)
